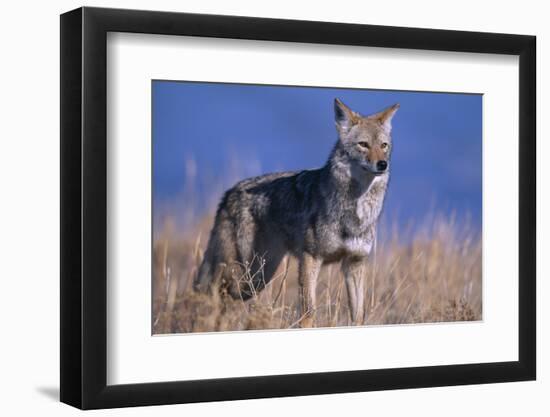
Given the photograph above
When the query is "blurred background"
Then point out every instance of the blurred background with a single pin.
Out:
(207, 136)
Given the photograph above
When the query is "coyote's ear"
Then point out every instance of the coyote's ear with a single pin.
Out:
(384, 117)
(345, 117)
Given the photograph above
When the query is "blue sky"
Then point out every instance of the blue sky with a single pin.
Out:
(208, 135)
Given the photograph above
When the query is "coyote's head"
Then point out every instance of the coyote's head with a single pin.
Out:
(364, 142)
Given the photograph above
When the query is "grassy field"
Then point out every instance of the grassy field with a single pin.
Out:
(430, 275)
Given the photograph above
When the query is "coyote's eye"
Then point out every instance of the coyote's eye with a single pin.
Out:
(384, 145)
(364, 145)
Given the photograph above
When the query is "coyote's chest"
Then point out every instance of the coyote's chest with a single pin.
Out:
(358, 227)
(354, 230)
(358, 246)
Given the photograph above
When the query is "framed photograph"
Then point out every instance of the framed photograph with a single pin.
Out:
(257, 208)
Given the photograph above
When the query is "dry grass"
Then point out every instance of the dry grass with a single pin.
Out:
(431, 276)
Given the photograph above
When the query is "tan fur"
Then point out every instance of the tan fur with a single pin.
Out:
(376, 153)
(308, 273)
(354, 269)
(385, 115)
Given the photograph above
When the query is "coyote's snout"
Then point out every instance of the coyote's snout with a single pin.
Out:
(319, 216)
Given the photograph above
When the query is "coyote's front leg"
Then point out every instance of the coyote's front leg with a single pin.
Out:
(308, 272)
(354, 269)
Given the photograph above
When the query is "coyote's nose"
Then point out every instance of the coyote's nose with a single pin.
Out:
(381, 165)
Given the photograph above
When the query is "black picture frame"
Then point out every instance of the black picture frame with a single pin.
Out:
(84, 207)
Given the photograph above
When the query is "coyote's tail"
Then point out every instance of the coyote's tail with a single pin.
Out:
(203, 279)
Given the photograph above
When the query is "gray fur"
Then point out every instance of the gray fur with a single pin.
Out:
(319, 216)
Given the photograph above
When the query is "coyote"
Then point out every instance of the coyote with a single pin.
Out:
(319, 216)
